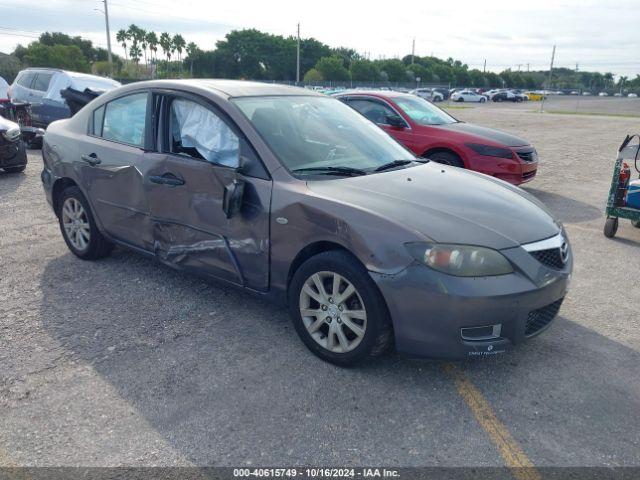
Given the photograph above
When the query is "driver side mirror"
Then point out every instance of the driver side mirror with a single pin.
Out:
(395, 121)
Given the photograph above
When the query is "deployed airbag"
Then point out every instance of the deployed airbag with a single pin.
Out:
(195, 126)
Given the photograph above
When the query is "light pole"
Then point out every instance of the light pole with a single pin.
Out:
(297, 56)
(106, 21)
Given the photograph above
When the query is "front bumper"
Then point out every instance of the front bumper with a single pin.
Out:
(429, 309)
(12, 154)
(514, 171)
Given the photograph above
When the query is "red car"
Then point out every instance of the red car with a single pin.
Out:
(431, 133)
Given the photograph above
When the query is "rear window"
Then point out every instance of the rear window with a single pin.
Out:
(25, 79)
(124, 119)
(42, 81)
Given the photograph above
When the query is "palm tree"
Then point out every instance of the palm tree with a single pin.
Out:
(135, 53)
(122, 36)
(166, 45)
(152, 41)
(192, 49)
(179, 44)
(143, 43)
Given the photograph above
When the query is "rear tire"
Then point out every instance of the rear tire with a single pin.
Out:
(611, 227)
(635, 223)
(327, 329)
(446, 158)
(482, 100)
(19, 169)
(78, 226)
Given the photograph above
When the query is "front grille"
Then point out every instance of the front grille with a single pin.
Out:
(531, 174)
(540, 318)
(551, 258)
(528, 156)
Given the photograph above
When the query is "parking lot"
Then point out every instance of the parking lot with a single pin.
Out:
(126, 362)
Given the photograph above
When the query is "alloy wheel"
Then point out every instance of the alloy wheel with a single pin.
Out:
(76, 223)
(333, 312)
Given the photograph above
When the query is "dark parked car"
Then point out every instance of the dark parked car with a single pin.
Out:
(432, 133)
(296, 197)
(13, 155)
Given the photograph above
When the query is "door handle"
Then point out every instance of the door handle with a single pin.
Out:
(91, 158)
(167, 179)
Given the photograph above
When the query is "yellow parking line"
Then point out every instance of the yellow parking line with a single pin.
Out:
(514, 457)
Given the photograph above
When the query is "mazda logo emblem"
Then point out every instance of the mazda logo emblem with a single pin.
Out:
(564, 252)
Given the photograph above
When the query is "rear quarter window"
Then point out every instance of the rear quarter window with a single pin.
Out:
(42, 82)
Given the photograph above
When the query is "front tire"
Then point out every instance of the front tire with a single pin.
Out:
(446, 158)
(611, 227)
(482, 100)
(337, 309)
(460, 100)
(79, 228)
(635, 223)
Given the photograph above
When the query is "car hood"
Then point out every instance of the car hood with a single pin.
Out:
(447, 205)
(483, 133)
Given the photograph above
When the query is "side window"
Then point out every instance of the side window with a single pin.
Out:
(42, 82)
(26, 79)
(197, 132)
(98, 119)
(124, 119)
(374, 111)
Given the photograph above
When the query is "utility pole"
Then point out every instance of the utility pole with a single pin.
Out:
(553, 56)
(106, 21)
(297, 56)
(484, 69)
(413, 50)
(527, 67)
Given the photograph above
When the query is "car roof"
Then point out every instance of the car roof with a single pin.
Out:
(377, 93)
(243, 88)
(225, 88)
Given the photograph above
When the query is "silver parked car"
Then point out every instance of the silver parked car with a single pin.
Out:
(296, 197)
(40, 87)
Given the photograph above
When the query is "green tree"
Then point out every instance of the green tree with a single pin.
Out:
(68, 57)
(395, 70)
(165, 44)
(313, 76)
(192, 52)
(179, 45)
(331, 68)
(122, 37)
(152, 42)
(364, 71)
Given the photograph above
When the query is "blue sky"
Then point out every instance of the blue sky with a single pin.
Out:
(596, 35)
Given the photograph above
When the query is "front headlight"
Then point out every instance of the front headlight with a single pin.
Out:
(12, 134)
(461, 260)
(490, 151)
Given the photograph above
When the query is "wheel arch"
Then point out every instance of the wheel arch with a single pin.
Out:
(59, 186)
(314, 249)
(439, 149)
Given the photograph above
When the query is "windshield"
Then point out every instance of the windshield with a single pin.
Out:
(423, 112)
(320, 133)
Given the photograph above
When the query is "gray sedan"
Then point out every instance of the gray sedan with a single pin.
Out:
(296, 197)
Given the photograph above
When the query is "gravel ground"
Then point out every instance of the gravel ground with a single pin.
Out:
(126, 362)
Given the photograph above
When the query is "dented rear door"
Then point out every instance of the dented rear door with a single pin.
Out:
(113, 164)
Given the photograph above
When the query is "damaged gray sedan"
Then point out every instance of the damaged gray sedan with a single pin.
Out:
(298, 198)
